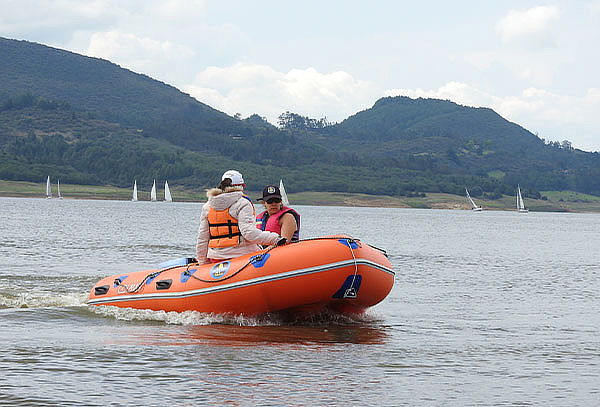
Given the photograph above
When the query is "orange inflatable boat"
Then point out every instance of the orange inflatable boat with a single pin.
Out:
(336, 273)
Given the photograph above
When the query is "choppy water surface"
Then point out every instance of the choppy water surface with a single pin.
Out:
(491, 308)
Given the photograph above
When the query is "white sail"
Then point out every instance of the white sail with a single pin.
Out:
(153, 192)
(58, 190)
(520, 204)
(473, 205)
(168, 197)
(134, 198)
(284, 197)
(48, 188)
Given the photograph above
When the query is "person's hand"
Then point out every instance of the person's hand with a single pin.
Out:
(282, 241)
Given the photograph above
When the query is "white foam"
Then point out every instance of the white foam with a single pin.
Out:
(200, 318)
(32, 299)
(179, 318)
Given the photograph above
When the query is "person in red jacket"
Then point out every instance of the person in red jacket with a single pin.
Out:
(278, 218)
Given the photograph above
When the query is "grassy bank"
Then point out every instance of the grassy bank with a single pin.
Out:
(71, 191)
(558, 201)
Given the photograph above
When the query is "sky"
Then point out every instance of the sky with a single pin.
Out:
(536, 63)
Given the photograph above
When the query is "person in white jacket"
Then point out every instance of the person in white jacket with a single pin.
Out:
(227, 223)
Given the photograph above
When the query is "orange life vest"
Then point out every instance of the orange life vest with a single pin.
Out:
(223, 229)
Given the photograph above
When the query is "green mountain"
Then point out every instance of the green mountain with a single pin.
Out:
(106, 90)
(87, 120)
(442, 137)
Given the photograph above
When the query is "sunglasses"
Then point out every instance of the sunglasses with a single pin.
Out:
(273, 200)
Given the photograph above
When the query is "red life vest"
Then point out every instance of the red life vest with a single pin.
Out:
(270, 223)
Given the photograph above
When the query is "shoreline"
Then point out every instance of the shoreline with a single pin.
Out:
(556, 202)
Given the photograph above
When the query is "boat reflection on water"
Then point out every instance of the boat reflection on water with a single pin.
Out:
(158, 328)
(229, 335)
(259, 334)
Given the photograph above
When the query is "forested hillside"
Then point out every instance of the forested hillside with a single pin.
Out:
(437, 136)
(106, 91)
(87, 120)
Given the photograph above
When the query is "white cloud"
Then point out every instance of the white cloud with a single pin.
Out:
(533, 25)
(166, 39)
(553, 116)
(179, 11)
(593, 95)
(247, 89)
(594, 7)
(252, 88)
(23, 16)
(455, 91)
(137, 54)
(88, 26)
(234, 48)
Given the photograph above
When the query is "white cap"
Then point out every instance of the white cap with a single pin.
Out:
(235, 177)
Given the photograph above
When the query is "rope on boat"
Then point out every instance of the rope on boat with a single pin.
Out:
(152, 275)
(350, 291)
(350, 240)
(253, 259)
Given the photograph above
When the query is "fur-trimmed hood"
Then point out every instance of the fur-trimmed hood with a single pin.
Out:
(221, 200)
(217, 191)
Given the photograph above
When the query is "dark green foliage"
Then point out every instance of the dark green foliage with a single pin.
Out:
(441, 137)
(103, 88)
(28, 100)
(293, 121)
(89, 121)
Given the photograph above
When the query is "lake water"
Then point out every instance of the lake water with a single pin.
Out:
(489, 309)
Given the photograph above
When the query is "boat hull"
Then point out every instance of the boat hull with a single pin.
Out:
(333, 272)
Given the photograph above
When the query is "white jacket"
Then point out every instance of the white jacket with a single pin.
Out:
(241, 209)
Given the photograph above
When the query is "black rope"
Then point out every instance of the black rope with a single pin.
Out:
(252, 260)
(349, 239)
(118, 281)
(377, 248)
(259, 257)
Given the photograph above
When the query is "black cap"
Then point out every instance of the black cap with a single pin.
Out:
(270, 191)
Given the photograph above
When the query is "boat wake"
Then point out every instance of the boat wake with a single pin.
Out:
(200, 318)
(174, 318)
(40, 299)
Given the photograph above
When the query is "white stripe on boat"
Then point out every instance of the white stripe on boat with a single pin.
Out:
(239, 284)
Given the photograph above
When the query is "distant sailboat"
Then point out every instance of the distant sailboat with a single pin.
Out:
(168, 197)
(473, 206)
(134, 198)
(58, 190)
(284, 197)
(48, 188)
(153, 192)
(520, 204)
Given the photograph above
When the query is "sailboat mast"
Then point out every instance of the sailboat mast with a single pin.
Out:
(153, 192)
(520, 203)
(284, 197)
(168, 197)
(473, 205)
(48, 188)
(134, 197)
